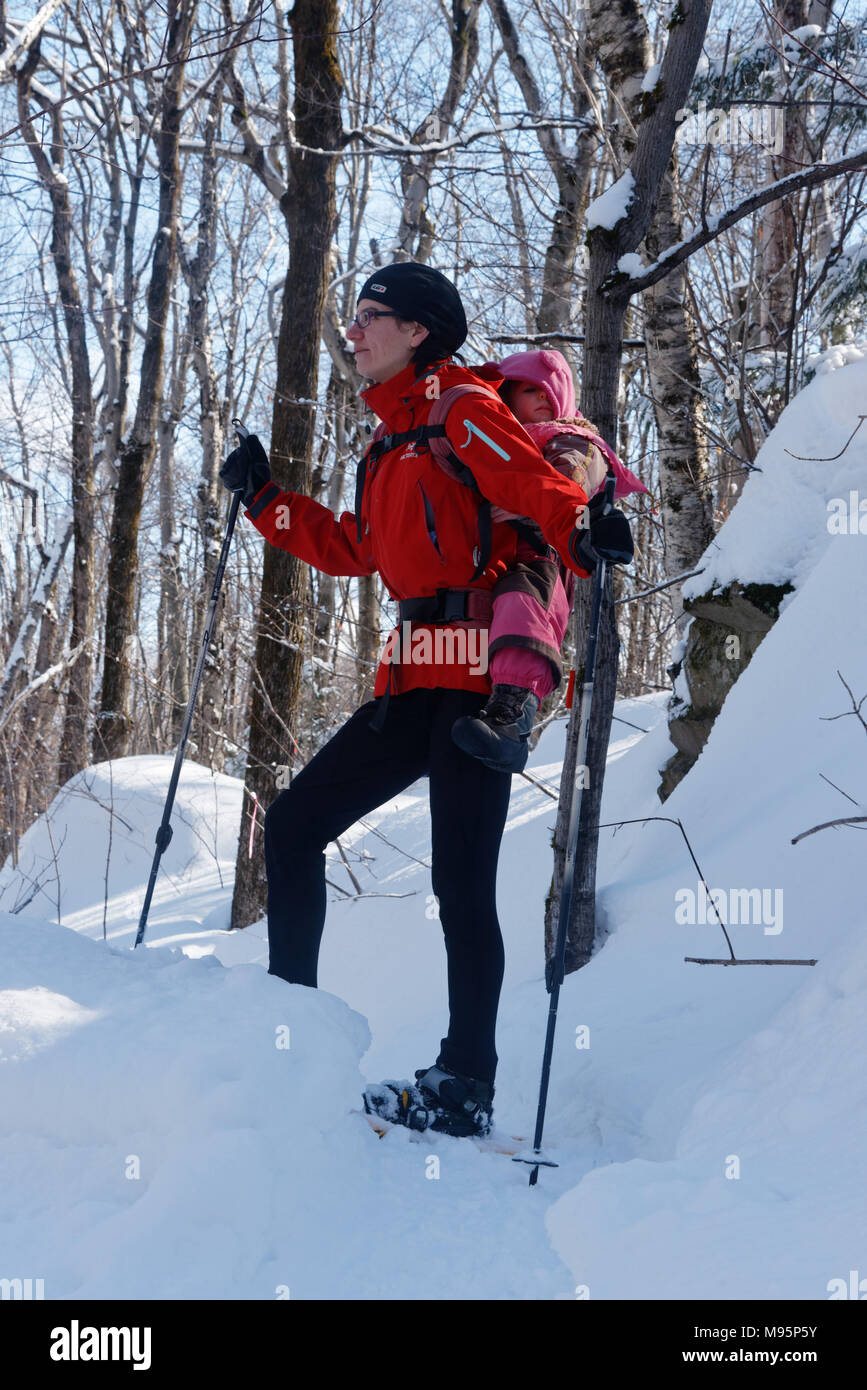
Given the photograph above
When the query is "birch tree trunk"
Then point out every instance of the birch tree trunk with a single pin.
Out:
(368, 636)
(21, 661)
(33, 640)
(672, 364)
(672, 358)
(116, 324)
(619, 40)
(325, 586)
(137, 453)
(173, 656)
(211, 495)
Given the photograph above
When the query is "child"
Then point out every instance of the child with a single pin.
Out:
(533, 600)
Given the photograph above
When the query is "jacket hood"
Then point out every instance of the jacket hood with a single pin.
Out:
(548, 369)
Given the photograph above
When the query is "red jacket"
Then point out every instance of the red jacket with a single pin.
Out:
(405, 487)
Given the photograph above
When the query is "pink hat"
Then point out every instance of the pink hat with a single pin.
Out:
(548, 369)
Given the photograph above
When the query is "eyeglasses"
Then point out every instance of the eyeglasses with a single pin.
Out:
(362, 320)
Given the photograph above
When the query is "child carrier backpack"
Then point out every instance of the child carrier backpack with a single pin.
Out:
(433, 436)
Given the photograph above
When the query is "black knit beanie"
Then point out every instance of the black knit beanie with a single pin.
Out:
(423, 295)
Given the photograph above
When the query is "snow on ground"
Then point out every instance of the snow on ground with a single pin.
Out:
(752, 1069)
(159, 1139)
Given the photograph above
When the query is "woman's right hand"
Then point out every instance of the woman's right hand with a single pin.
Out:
(247, 469)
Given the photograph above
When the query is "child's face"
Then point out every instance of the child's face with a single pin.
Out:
(529, 403)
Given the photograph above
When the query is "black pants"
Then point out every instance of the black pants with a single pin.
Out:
(357, 771)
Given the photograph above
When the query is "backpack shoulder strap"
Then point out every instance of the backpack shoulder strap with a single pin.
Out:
(442, 451)
(433, 433)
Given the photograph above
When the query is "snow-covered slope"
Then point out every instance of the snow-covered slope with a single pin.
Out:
(799, 500)
(88, 858)
(712, 1135)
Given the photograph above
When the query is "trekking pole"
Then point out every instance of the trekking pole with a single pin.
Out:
(164, 833)
(557, 968)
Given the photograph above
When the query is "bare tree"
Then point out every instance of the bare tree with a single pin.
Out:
(210, 494)
(137, 453)
(416, 232)
(73, 754)
(307, 202)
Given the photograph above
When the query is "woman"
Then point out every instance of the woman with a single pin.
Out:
(420, 530)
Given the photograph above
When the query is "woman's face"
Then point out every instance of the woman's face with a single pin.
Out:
(529, 403)
(386, 345)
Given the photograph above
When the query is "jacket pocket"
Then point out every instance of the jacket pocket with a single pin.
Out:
(430, 521)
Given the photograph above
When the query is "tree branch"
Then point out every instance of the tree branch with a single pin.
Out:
(622, 285)
(27, 35)
(846, 820)
(40, 680)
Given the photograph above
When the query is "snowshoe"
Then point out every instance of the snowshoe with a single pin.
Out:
(499, 734)
(398, 1103)
(440, 1101)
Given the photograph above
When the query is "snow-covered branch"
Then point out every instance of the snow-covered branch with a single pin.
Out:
(559, 338)
(22, 656)
(45, 676)
(397, 147)
(27, 34)
(624, 284)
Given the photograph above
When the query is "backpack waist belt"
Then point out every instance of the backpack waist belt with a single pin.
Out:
(448, 606)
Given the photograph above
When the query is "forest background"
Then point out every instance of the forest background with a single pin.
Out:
(192, 193)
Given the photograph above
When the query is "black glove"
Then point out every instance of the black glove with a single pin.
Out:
(601, 537)
(246, 469)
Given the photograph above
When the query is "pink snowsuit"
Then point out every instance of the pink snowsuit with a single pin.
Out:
(533, 600)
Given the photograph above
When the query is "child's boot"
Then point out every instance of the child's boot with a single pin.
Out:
(499, 734)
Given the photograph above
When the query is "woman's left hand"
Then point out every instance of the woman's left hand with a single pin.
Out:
(597, 537)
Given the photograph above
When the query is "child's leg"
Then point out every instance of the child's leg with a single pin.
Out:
(519, 667)
(498, 735)
(529, 619)
(531, 611)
